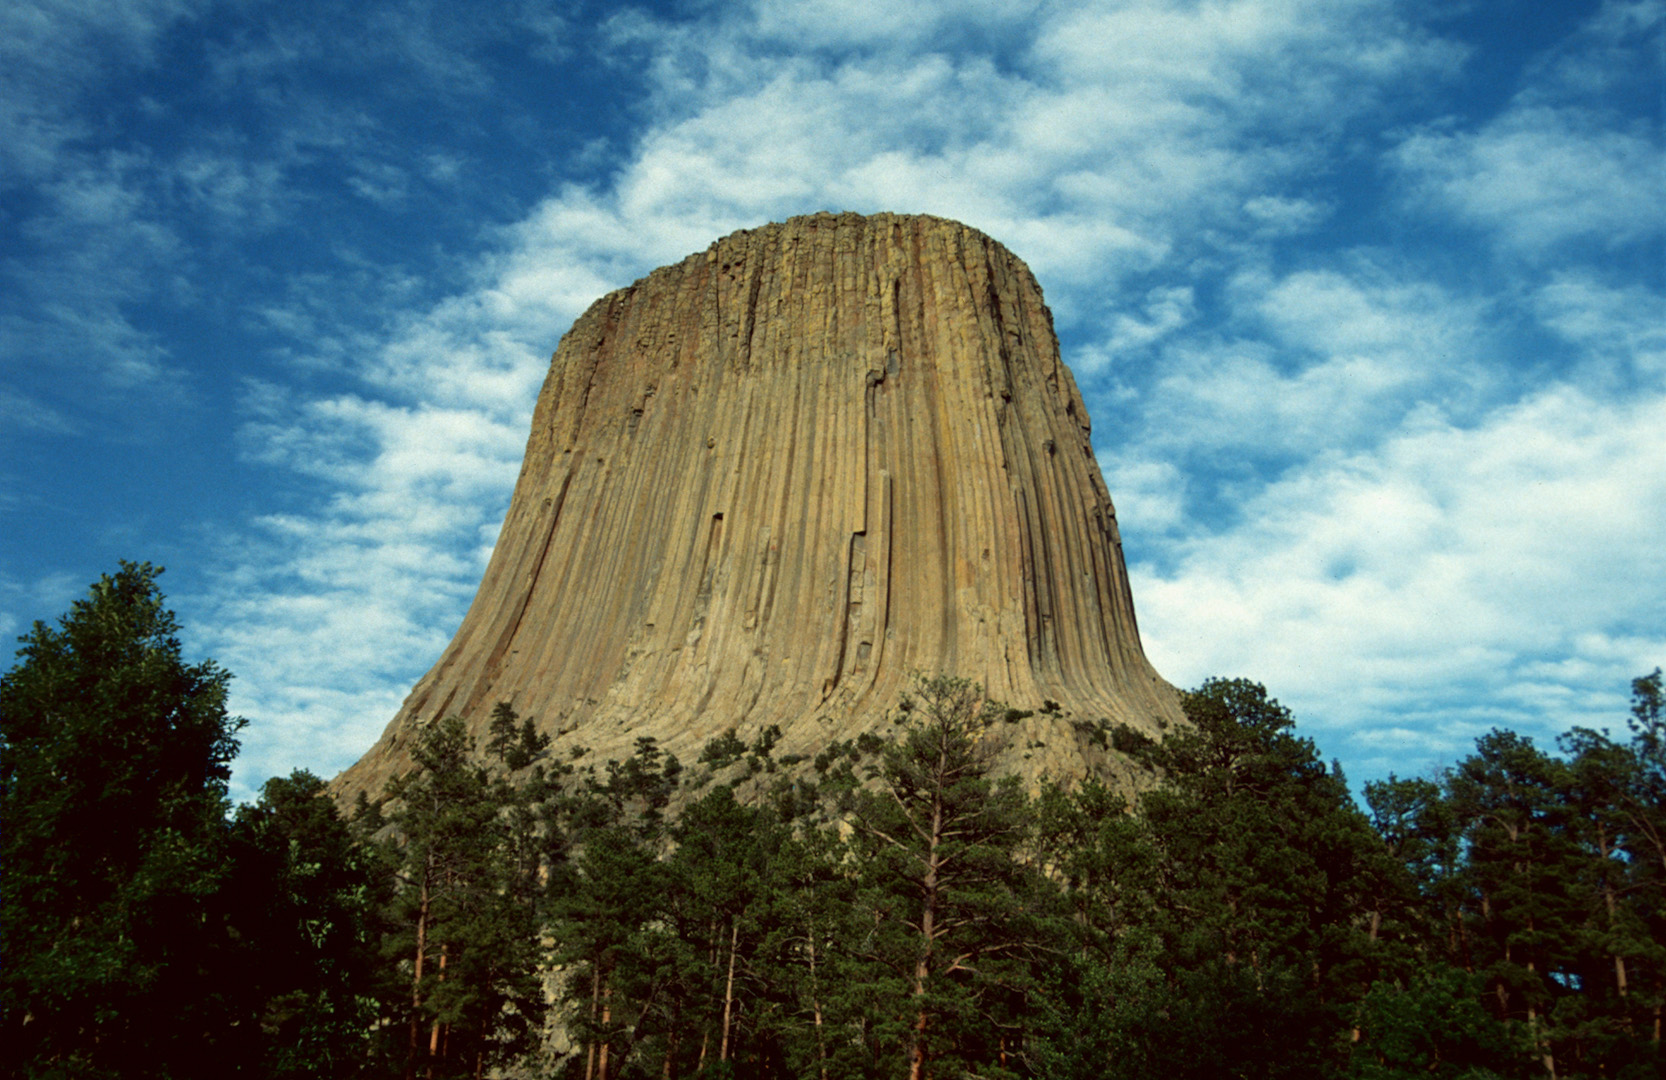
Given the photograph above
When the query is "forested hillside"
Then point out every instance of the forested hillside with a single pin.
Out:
(889, 908)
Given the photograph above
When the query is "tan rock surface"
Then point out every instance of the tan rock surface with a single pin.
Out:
(769, 483)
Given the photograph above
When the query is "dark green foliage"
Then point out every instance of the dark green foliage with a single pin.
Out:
(1543, 944)
(1435, 1023)
(943, 967)
(1127, 740)
(728, 749)
(722, 876)
(642, 786)
(114, 756)
(893, 911)
(467, 922)
(303, 896)
(723, 751)
(1248, 879)
(515, 746)
(605, 894)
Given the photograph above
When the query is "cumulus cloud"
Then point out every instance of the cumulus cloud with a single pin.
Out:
(327, 614)
(330, 611)
(1452, 565)
(1150, 497)
(1115, 133)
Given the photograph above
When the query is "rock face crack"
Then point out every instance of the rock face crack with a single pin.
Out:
(772, 482)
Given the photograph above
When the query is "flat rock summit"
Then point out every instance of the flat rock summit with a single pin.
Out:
(773, 482)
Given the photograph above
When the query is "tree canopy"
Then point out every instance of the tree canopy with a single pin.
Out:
(890, 908)
(114, 758)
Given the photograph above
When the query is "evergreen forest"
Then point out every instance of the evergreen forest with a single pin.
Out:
(889, 908)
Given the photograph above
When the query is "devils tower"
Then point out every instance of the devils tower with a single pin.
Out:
(772, 482)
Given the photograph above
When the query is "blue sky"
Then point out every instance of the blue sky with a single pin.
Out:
(1367, 299)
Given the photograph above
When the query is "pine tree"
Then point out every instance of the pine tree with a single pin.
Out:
(1104, 988)
(812, 929)
(1542, 950)
(515, 742)
(934, 840)
(467, 912)
(1522, 868)
(1268, 884)
(721, 868)
(613, 888)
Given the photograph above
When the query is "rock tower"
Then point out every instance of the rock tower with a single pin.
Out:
(772, 482)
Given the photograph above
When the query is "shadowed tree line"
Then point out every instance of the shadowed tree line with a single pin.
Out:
(889, 908)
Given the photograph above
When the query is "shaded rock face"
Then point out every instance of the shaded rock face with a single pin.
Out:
(771, 483)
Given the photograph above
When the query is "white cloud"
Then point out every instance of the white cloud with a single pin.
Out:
(231, 186)
(1285, 216)
(1518, 559)
(1150, 496)
(1116, 134)
(1540, 177)
(1621, 330)
(1335, 314)
(329, 614)
(819, 24)
(21, 413)
(51, 53)
(21, 604)
(1321, 361)
(1616, 51)
(1298, 61)
(1565, 163)
(1166, 310)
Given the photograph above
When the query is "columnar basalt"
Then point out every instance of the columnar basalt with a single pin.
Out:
(771, 483)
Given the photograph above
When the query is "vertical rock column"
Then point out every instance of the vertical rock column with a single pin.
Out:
(772, 482)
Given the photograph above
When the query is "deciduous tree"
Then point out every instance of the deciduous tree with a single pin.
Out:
(114, 758)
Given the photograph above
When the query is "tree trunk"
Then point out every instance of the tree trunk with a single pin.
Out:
(434, 1033)
(607, 1018)
(595, 1012)
(1546, 1055)
(668, 1071)
(1609, 903)
(815, 1003)
(729, 990)
(415, 1046)
(922, 973)
(928, 932)
(1376, 925)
